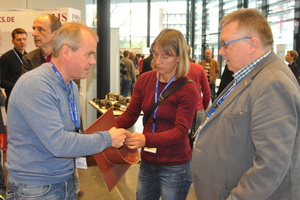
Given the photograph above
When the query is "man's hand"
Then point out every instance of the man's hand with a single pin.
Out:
(118, 136)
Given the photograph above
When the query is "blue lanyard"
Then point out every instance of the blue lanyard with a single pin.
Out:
(220, 101)
(156, 99)
(71, 99)
(18, 56)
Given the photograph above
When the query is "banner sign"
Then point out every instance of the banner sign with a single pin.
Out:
(23, 18)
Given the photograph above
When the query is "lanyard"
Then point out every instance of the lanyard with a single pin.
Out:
(71, 99)
(220, 101)
(213, 110)
(18, 56)
(156, 99)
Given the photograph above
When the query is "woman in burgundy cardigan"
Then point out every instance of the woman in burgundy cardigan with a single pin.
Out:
(166, 153)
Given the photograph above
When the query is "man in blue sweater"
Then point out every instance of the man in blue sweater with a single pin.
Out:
(43, 123)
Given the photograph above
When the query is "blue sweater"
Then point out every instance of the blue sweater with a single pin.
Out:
(41, 135)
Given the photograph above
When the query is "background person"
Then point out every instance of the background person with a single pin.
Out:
(44, 27)
(141, 62)
(147, 63)
(11, 61)
(133, 57)
(291, 57)
(129, 77)
(249, 146)
(212, 69)
(198, 75)
(43, 120)
(226, 78)
(165, 156)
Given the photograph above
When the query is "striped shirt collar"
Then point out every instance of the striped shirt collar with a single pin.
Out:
(238, 76)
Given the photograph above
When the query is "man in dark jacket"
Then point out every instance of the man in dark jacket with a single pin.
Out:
(291, 57)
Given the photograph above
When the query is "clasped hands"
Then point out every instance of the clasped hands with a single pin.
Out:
(121, 136)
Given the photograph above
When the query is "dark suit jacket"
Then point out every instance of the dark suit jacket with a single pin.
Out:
(147, 64)
(250, 148)
(296, 70)
(225, 79)
(32, 60)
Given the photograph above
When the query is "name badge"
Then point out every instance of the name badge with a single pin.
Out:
(150, 150)
(81, 163)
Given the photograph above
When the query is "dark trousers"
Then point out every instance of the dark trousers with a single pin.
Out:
(2, 181)
(213, 91)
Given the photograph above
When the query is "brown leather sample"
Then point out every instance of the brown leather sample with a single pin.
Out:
(113, 162)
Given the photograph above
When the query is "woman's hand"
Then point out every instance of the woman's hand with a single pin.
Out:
(135, 140)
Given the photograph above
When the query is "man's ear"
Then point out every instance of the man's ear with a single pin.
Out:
(65, 50)
(254, 44)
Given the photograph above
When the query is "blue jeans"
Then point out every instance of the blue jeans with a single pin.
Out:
(57, 191)
(168, 182)
(126, 88)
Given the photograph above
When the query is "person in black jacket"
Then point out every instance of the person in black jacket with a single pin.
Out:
(11, 61)
(225, 79)
(147, 63)
(291, 57)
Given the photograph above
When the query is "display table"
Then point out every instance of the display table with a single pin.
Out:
(103, 110)
(137, 127)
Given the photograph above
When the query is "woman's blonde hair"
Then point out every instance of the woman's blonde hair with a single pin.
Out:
(173, 43)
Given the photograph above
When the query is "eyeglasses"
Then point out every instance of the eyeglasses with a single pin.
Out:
(224, 44)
